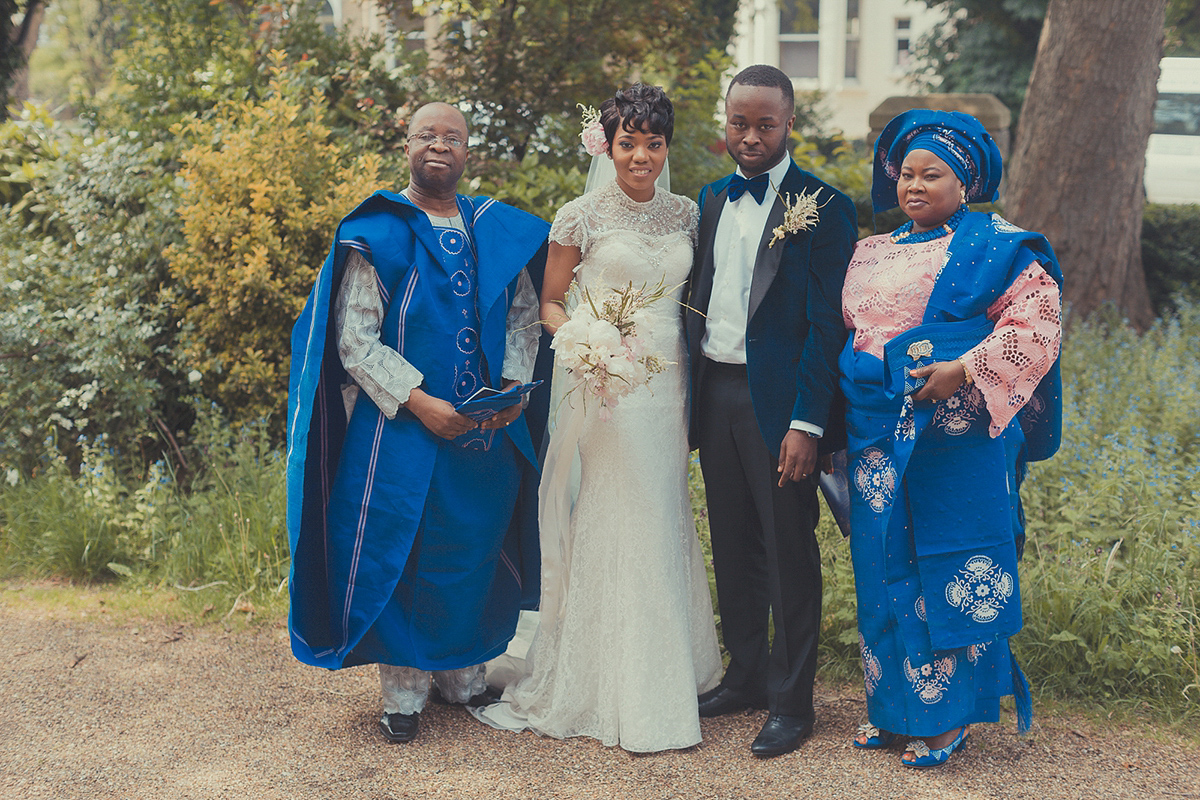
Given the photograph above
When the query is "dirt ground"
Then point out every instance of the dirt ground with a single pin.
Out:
(97, 705)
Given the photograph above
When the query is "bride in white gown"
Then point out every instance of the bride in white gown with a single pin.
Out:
(625, 637)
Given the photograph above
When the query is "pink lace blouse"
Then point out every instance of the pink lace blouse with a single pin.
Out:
(888, 286)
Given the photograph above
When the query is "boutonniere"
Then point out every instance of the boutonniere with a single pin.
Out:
(800, 214)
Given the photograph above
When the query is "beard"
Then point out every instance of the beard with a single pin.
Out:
(770, 160)
(436, 180)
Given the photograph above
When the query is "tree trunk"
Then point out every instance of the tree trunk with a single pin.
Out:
(24, 40)
(1081, 147)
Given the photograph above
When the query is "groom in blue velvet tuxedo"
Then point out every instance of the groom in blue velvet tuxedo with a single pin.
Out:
(764, 331)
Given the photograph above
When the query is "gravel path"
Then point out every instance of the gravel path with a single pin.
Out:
(96, 707)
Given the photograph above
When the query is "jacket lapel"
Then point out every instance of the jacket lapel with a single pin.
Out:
(707, 234)
(766, 263)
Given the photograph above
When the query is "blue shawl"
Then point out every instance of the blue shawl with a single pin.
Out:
(959, 491)
(338, 591)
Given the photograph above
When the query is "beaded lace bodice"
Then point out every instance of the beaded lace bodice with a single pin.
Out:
(622, 241)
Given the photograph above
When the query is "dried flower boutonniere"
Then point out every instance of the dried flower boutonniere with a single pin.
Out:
(800, 214)
(594, 140)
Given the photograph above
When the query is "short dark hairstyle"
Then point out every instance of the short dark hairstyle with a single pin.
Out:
(766, 75)
(638, 108)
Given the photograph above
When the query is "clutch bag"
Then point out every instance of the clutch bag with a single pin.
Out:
(928, 344)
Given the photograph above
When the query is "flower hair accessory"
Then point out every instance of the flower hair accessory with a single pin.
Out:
(594, 140)
(800, 214)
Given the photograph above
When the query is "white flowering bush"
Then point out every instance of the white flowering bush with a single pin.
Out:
(86, 339)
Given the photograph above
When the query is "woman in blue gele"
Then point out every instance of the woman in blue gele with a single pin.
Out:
(952, 381)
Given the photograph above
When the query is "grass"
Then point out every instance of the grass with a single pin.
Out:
(1110, 576)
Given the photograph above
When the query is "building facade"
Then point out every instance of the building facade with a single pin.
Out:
(854, 51)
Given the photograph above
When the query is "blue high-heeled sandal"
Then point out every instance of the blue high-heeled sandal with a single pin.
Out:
(876, 739)
(926, 758)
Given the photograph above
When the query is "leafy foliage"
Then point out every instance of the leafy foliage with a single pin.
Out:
(264, 189)
(981, 46)
(84, 333)
(1171, 253)
(518, 64)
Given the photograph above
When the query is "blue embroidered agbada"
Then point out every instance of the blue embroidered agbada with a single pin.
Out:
(935, 516)
(408, 549)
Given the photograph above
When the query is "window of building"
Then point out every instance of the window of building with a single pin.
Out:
(326, 19)
(852, 37)
(798, 40)
(903, 41)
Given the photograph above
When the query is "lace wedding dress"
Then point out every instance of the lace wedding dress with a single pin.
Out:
(625, 636)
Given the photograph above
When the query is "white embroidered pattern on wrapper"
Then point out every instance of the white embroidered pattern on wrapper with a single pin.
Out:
(872, 669)
(876, 479)
(931, 680)
(906, 426)
(981, 589)
(958, 412)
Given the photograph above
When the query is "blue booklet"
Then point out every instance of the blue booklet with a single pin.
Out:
(487, 402)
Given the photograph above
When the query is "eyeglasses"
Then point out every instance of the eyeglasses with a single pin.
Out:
(427, 139)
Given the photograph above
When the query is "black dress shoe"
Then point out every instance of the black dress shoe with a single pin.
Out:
(720, 700)
(781, 734)
(399, 727)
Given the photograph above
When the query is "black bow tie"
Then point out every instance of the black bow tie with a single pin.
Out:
(756, 186)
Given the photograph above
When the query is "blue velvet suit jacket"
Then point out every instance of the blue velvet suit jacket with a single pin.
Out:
(794, 328)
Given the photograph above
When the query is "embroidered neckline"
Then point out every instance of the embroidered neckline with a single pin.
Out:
(629, 202)
(904, 234)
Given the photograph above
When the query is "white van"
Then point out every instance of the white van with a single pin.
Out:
(1173, 153)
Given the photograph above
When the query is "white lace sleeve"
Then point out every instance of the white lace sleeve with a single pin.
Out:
(569, 228)
(523, 332)
(380, 371)
(693, 219)
(1008, 365)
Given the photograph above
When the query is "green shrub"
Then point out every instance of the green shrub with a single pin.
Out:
(264, 188)
(85, 337)
(1171, 253)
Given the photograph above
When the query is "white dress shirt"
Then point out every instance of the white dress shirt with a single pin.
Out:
(735, 249)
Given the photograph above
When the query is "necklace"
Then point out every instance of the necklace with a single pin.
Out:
(904, 232)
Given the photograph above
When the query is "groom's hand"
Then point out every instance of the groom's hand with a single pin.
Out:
(797, 457)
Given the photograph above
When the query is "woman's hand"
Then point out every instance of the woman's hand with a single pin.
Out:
(942, 380)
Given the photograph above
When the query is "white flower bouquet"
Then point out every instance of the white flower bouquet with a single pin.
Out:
(600, 347)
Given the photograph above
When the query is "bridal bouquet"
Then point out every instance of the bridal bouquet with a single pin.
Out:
(599, 345)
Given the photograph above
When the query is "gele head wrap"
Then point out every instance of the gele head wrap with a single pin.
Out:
(956, 138)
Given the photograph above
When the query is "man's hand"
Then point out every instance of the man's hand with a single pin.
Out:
(797, 457)
(942, 380)
(505, 416)
(438, 416)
